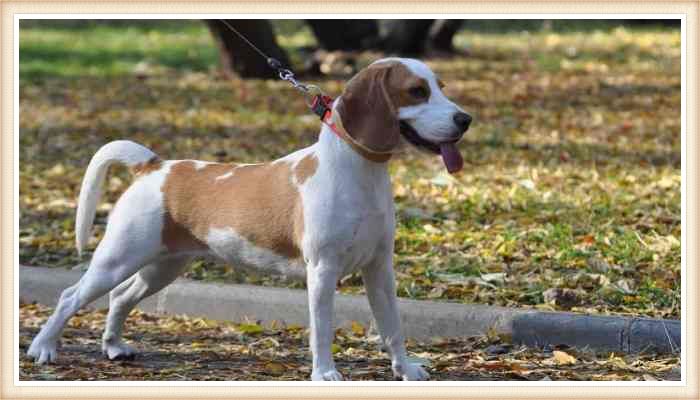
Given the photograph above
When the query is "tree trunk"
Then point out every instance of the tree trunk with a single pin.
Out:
(342, 34)
(441, 34)
(659, 22)
(405, 36)
(237, 57)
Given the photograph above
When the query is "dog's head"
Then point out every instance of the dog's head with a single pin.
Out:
(400, 97)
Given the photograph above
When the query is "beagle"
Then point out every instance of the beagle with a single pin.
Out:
(318, 214)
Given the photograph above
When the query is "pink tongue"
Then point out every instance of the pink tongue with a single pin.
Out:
(451, 157)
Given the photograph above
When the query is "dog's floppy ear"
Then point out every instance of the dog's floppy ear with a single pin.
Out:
(367, 112)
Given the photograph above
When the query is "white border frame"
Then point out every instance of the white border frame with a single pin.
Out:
(684, 188)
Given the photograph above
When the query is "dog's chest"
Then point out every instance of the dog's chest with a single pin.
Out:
(371, 233)
(354, 221)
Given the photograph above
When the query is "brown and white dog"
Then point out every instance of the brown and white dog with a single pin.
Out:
(319, 213)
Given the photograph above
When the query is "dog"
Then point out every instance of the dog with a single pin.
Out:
(318, 214)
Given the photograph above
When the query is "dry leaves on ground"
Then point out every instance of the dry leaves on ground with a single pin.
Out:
(182, 348)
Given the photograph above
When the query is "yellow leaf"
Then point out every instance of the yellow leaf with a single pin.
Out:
(563, 358)
(335, 348)
(57, 170)
(617, 362)
(357, 328)
(673, 241)
(415, 271)
(274, 368)
(294, 328)
(250, 329)
(666, 182)
(430, 229)
(205, 323)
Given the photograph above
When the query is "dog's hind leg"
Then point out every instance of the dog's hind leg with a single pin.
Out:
(122, 299)
(122, 252)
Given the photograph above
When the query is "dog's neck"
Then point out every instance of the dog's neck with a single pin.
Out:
(341, 155)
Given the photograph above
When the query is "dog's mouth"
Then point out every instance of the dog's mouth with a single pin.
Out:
(448, 150)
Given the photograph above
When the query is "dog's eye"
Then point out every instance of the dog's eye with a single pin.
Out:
(419, 92)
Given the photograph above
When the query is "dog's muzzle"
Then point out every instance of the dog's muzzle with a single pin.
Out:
(448, 149)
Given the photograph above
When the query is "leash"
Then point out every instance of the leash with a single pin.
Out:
(314, 97)
(319, 103)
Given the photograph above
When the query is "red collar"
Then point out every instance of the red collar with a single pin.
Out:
(323, 107)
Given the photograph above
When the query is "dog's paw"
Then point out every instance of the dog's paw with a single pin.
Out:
(118, 351)
(327, 375)
(42, 351)
(410, 372)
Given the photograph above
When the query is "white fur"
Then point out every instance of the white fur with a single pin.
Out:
(229, 246)
(349, 226)
(224, 176)
(120, 151)
(200, 164)
(433, 119)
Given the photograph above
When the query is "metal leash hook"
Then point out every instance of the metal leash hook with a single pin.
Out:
(287, 75)
(312, 93)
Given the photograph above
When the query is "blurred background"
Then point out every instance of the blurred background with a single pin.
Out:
(570, 197)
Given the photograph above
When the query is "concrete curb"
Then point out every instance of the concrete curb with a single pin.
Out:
(420, 319)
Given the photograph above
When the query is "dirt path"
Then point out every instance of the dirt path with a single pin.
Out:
(181, 348)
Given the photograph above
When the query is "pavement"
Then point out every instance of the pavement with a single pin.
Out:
(420, 319)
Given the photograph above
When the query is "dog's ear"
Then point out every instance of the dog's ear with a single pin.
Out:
(367, 112)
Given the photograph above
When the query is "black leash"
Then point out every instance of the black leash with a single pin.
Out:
(284, 73)
(319, 103)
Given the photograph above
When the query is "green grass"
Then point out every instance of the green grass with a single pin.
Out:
(75, 49)
(107, 51)
(572, 177)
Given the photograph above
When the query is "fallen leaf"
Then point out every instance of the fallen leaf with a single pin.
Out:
(357, 328)
(250, 329)
(274, 368)
(563, 358)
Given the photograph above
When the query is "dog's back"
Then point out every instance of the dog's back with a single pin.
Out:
(250, 215)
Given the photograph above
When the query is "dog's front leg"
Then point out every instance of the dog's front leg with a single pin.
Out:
(381, 292)
(321, 280)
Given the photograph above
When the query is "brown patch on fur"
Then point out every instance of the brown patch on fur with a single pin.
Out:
(147, 167)
(306, 168)
(177, 237)
(359, 148)
(259, 202)
(401, 80)
(369, 105)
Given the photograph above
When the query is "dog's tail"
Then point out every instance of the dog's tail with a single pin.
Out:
(120, 151)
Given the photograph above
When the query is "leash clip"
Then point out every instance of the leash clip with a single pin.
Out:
(309, 91)
(288, 75)
(321, 105)
(313, 95)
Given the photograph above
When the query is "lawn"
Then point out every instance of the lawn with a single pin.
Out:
(570, 198)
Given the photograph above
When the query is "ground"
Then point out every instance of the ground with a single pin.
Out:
(181, 348)
(570, 198)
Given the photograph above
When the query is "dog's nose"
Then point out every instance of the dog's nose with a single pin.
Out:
(462, 120)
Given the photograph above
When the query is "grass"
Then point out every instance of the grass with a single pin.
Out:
(572, 178)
